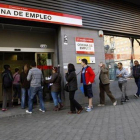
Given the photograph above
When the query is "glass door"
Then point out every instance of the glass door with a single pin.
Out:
(44, 62)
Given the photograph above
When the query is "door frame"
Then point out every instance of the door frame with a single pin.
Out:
(35, 50)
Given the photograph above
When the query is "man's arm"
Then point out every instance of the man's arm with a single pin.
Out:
(126, 74)
(104, 70)
(117, 73)
(92, 77)
(53, 78)
(69, 77)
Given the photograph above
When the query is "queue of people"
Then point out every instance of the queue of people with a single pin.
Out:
(29, 83)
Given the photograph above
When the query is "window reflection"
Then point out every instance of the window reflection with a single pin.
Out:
(117, 49)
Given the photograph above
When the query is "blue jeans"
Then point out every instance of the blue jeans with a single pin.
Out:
(137, 81)
(56, 98)
(23, 96)
(39, 92)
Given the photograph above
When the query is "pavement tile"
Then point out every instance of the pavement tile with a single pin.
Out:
(105, 123)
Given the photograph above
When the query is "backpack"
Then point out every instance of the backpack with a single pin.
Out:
(7, 80)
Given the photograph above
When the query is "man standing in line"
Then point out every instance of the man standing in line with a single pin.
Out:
(104, 86)
(36, 78)
(7, 80)
(87, 78)
(122, 75)
(136, 75)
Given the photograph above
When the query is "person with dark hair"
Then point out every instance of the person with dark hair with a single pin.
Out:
(122, 75)
(71, 78)
(87, 78)
(136, 75)
(16, 85)
(7, 80)
(55, 83)
(36, 79)
(104, 86)
(25, 86)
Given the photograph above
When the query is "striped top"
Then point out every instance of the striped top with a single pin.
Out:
(35, 77)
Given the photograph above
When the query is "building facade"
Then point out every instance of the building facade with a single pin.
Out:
(61, 32)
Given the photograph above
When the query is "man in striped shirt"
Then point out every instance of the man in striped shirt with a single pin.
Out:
(36, 79)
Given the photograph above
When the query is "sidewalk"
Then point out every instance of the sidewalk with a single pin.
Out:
(121, 122)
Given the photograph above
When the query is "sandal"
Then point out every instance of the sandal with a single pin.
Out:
(79, 111)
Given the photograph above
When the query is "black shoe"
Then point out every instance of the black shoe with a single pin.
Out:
(123, 101)
(126, 99)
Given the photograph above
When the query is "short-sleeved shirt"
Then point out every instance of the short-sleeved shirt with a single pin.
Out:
(83, 75)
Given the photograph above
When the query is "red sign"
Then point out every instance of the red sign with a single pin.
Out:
(16, 12)
(84, 45)
(45, 67)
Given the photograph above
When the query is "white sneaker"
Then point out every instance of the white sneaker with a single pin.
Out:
(101, 105)
(136, 95)
(88, 107)
(27, 111)
(115, 103)
(41, 110)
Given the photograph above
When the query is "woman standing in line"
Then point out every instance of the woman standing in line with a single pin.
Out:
(71, 78)
(16, 85)
(55, 82)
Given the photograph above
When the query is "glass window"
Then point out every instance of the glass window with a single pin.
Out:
(117, 49)
(29, 56)
(45, 63)
(137, 50)
(1, 56)
(13, 56)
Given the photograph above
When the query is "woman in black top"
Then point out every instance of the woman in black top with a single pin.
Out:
(71, 78)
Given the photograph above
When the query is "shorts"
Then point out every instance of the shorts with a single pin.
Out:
(88, 91)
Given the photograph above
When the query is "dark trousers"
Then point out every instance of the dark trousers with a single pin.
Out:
(7, 96)
(137, 81)
(103, 89)
(17, 91)
(73, 103)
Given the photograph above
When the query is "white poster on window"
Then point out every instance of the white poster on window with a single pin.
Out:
(49, 62)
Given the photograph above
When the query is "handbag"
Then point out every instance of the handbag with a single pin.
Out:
(66, 88)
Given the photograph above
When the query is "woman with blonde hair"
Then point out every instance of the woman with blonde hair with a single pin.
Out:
(25, 85)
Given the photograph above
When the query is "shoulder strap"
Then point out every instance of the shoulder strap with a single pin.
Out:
(15, 76)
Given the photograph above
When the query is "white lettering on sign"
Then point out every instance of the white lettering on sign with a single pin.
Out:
(84, 45)
(39, 15)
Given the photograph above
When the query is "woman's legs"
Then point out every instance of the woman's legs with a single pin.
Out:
(15, 92)
(55, 98)
(73, 103)
(58, 97)
(19, 93)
